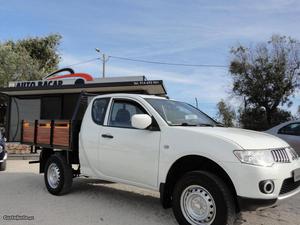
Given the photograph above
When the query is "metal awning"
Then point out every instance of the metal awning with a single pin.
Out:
(153, 87)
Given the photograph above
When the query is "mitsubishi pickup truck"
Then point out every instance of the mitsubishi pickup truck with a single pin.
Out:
(206, 172)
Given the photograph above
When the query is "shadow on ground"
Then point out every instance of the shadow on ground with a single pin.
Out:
(99, 202)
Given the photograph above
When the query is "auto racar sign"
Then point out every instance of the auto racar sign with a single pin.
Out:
(45, 83)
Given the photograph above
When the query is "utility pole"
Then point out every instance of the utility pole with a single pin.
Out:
(104, 59)
(196, 100)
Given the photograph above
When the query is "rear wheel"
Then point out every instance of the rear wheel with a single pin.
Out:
(58, 175)
(201, 198)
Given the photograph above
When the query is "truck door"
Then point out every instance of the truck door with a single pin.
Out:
(126, 153)
(91, 127)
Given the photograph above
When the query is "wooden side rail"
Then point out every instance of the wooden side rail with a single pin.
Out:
(47, 133)
(61, 133)
(43, 134)
(28, 131)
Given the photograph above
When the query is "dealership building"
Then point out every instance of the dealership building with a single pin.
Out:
(56, 97)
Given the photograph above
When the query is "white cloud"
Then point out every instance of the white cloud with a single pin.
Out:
(209, 85)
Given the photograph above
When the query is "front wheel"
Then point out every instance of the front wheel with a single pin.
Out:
(58, 175)
(201, 198)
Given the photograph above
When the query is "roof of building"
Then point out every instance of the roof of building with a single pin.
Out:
(132, 84)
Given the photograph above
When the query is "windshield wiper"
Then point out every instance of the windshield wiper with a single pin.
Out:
(188, 125)
(205, 125)
(194, 125)
(185, 125)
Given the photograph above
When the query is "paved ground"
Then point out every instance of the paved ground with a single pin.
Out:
(22, 192)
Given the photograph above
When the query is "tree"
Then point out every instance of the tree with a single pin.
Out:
(266, 75)
(225, 113)
(43, 50)
(28, 59)
(255, 118)
(16, 65)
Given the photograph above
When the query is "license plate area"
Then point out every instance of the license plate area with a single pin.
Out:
(296, 175)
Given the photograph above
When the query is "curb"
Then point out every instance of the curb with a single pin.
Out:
(23, 157)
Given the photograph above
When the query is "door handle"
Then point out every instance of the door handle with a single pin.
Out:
(107, 136)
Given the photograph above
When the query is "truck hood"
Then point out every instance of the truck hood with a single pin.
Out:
(246, 139)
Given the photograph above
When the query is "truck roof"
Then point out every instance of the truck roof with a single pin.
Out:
(131, 95)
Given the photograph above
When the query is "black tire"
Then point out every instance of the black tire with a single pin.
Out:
(64, 182)
(3, 166)
(79, 82)
(224, 212)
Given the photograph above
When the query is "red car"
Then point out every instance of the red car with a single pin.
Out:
(81, 77)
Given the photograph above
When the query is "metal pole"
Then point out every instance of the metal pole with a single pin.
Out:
(103, 65)
(196, 100)
(104, 59)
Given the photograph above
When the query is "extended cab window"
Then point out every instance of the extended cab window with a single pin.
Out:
(99, 109)
(291, 129)
(122, 111)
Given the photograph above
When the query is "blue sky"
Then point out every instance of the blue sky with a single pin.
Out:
(191, 31)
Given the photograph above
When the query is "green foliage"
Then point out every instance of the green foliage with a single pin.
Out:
(28, 59)
(266, 75)
(225, 114)
(255, 118)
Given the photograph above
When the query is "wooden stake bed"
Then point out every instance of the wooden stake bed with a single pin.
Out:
(28, 135)
(47, 133)
(43, 133)
(61, 133)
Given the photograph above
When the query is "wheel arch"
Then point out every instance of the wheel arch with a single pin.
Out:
(190, 163)
(47, 152)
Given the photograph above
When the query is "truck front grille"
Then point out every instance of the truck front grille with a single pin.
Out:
(289, 185)
(280, 155)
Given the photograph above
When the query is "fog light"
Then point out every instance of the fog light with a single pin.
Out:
(267, 186)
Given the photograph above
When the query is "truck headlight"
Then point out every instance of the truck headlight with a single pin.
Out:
(255, 157)
(293, 153)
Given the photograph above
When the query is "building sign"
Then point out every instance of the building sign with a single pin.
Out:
(55, 81)
(45, 83)
(77, 79)
(147, 82)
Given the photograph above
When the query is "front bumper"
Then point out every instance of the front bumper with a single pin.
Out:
(246, 179)
(251, 204)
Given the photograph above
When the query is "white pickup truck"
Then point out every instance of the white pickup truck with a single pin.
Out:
(206, 172)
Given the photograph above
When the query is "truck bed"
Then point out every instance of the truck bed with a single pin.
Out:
(58, 134)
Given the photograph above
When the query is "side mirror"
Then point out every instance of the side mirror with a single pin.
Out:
(141, 121)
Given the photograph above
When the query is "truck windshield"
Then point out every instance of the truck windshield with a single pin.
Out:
(179, 113)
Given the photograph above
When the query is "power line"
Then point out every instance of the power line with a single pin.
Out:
(83, 62)
(151, 62)
(167, 63)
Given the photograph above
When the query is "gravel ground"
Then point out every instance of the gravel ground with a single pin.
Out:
(93, 202)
